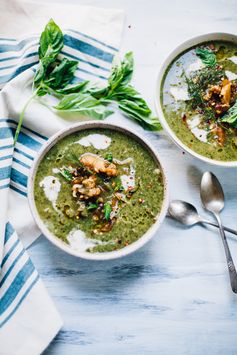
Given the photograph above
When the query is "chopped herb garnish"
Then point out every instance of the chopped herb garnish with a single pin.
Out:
(107, 210)
(198, 83)
(66, 174)
(119, 186)
(73, 158)
(109, 157)
(92, 206)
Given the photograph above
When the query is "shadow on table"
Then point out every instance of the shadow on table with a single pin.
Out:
(95, 276)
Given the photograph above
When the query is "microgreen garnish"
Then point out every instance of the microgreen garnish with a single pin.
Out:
(109, 157)
(118, 186)
(92, 206)
(66, 174)
(107, 210)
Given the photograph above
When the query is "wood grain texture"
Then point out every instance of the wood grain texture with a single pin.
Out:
(172, 296)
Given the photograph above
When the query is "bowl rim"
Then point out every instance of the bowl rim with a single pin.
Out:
(59, 243)
(168, 60)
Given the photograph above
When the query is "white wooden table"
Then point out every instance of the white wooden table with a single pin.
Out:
(173, 296)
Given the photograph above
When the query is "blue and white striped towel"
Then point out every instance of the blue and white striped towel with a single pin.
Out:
(28, 318)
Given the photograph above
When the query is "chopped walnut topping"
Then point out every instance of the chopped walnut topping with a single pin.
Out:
(86, 188)
(98, 164)
(220, 133)
(225, 92)
(219, 96)
(89, 183)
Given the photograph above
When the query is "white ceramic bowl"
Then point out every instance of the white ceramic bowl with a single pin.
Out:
(59, 243)
(176, 52)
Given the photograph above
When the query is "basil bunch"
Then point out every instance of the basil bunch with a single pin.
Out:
(118, 90)
(54, 75)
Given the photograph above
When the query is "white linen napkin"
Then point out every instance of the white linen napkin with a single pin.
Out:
(28, 318)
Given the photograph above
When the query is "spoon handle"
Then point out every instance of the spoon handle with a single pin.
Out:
(227, 229)
(230, 263)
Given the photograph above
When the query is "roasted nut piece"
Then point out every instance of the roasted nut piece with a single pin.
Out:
(225, 92)
(108, 226)
(98, 164)
(86, 188)
(220, 133)
(85, 193)
(215, 89)
(90, 183)
(220, 96)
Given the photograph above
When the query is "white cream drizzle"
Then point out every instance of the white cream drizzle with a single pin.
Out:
(197, 65)
(115, 210)
(123, 162)
(193, 123)
(128, 181)
(51, 186)
(179, 94)
(233, 59)
(230, 75)
(78, 240)
(56, 170)
(98, 141)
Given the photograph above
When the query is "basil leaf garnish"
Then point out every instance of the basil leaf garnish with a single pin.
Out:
(207, 56)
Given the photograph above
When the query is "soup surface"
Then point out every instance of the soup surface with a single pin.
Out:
(198, 96)
(98, 190)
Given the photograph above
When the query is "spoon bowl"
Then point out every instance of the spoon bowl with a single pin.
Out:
(187, 214)
(183, 212)
(212, 194)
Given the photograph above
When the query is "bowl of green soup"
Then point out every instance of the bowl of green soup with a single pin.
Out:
(196, 98)
(98, 191)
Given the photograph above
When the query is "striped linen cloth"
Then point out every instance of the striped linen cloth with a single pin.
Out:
(28, 318)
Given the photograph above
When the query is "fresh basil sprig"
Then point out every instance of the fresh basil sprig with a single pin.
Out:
(207, 56)
(55, 74)
(84, 104)
(121, 72)
(117, 91)
(71, 89)
(135, 107)
(127, 97)
(52, 72)
(51, 43)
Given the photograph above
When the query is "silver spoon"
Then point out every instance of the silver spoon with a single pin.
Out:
(212, 197)
(187, 214)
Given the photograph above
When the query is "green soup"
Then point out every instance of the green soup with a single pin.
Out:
(98, 190)
(199, 99)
